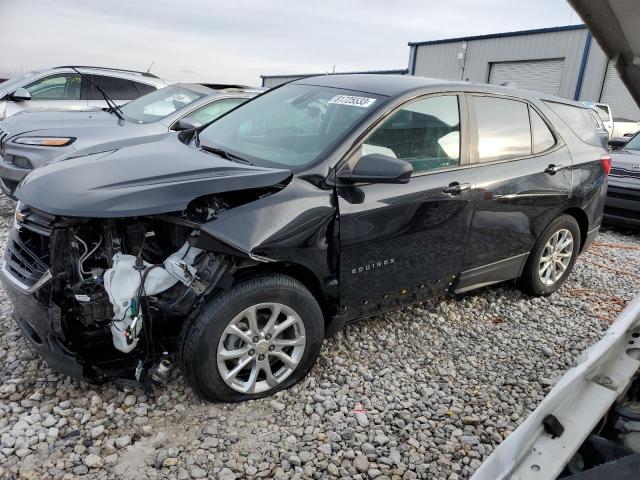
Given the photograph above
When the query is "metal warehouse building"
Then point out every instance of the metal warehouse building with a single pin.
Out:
(563, 61)
(271, 81)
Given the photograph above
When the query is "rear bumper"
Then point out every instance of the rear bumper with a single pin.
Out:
(622, 207)
(40, 322)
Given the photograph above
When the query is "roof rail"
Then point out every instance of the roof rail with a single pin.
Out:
(124, 70)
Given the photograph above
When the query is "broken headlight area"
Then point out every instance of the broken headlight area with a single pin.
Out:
(122, 288)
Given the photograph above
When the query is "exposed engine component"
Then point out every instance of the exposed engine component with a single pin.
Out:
(162, 371)
(131, 278)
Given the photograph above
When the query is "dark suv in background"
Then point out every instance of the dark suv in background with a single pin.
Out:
(234, 249)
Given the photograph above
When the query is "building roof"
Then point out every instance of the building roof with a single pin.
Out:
(517, 33)
(398, 71)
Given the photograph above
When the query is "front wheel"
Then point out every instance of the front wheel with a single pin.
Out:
(553, 257)
(259, 337)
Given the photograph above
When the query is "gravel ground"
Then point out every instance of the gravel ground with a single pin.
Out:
(426, 392)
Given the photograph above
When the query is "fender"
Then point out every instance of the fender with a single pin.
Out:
(294, 226)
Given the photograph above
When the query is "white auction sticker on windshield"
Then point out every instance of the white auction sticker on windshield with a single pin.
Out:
(353, 101)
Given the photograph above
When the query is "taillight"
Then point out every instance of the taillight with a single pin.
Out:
(605, 161)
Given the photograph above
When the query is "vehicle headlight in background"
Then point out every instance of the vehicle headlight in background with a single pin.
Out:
(45, 141)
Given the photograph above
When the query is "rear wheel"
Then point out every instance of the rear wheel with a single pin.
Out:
(261, 336)
(553, 257)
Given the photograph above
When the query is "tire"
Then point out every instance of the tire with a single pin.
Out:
(211, 346)
(534, 277)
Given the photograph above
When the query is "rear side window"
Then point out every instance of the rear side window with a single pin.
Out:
(503, 129)
(116, 88)
(579, 120)
(425, 133)
(542, 138)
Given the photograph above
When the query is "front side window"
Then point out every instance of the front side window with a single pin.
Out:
(291, 126)
(157, 105)
(56, 87)
(503, 129)
(213, 110)
(425, 133)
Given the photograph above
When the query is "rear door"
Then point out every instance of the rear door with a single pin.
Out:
(400, 243)
(61, 90)
(524, 173)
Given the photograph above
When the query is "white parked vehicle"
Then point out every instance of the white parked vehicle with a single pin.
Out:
(616, 126)
(73, 88)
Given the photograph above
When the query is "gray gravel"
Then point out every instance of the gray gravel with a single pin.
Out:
(426, 392)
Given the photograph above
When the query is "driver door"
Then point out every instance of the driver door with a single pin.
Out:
(403, 243)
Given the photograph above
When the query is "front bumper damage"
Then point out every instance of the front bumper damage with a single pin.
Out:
(40, 322)
(103, 300)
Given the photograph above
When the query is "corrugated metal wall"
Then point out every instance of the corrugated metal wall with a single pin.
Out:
(441, 60)
(538, 75)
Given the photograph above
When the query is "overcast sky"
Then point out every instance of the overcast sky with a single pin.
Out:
(238, 40)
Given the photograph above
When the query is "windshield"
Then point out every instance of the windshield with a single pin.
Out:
(158, 104)
(633, 144)
(290, 126)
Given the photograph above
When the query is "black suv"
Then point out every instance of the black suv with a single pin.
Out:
(235, 248)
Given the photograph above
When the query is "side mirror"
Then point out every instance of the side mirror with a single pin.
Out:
(617, 143)
(378, 168)
(187, 123)
(20, 95)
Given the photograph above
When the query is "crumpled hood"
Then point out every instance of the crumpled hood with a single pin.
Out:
(70, 123)
(143, 179)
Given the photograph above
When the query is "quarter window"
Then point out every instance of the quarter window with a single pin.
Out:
(543, 139)
(503, 129)
(425, 133)
(579, 120)
(56, 87)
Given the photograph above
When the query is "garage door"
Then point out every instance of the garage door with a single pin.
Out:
(537, 75)
(616, 94)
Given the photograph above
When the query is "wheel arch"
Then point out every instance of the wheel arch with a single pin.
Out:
(583, 222)
(326, 297)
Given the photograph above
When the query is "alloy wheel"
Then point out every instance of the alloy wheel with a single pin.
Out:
(556, 257)
(261, 347)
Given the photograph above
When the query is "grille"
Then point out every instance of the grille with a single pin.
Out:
(622, 212)
(624, 195)
(623, 172)
(3, 136)
(27, 255)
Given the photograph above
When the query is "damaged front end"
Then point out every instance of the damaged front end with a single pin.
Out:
(108, 298)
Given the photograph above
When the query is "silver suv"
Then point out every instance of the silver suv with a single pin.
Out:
(64, 88)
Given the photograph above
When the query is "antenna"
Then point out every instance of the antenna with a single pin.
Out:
(149, 69)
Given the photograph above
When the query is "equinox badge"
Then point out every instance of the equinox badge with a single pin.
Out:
(372, 266)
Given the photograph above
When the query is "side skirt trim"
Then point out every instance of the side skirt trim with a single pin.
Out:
(491, 273)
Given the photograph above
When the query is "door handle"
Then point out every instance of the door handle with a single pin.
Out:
(553, 169)
(455, 188)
